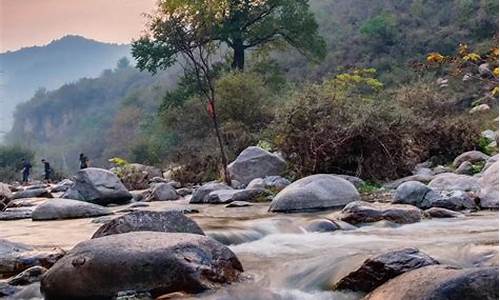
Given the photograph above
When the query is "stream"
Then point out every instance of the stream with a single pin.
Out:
(283, 261)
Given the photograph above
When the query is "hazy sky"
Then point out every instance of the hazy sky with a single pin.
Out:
(37, 22)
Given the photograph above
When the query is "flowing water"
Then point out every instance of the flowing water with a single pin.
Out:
(282, 260)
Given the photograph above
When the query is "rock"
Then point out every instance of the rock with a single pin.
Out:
(201, 193)
(157, 180)
(183, 192)
(168, 221)
(421, 178)
(139, 195)
(162, 192)
(17, 257)
(28, 276)
(381, 268)
(227, 196)
(465, 168)
(32, 193)
(470, 156)
(489, 134)
(235, 184)
(365, 212)
(489, 187)
(356, 181)
(490, 162)
(7, 290)
(98, 186)
(480, 108)
(454, 200)
(321, 225)
(255, 162)
(59, 209)
(5, 196)
(239, 204)
(438, 212)
(138, 204)
(275, 183)
(154, 262)
(15, 214)
(440, 283)
(137, 176)
(441, 169)
(454, 182)
(414, 193)
(484, 69)
(315, 192)
(62, 186)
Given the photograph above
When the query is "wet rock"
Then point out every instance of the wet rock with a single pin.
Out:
(421, 178)
(470, 156)
(162, 192)
(438, 212)
(381, 268)
(183, 192)
(321, 225)
(365, 212)
(315, 192)
(414, 193)
(454, 200)
(28, 276)
(59, 209)
(440, 283)
(200, 195)
(454, 182)
(17, 257)
(153, 262)
(275, 183)
(167, 221)
(32, 193)
(255, 162)
(489, 187)
(15, 214)
(62, 186)
(227, 196)
(239, 204)
(98, 186)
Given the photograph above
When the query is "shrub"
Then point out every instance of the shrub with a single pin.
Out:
(10, 161)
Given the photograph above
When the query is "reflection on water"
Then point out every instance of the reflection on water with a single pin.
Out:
(281, 260)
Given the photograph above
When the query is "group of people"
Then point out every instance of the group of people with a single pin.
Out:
(48, 171)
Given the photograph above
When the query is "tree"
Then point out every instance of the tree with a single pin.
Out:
(240, 24)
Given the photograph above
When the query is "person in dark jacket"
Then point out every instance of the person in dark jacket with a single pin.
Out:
(26, 170)
(84, 161)
(47, 169)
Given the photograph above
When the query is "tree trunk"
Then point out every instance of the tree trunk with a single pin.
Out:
(227, 178)
(238, 56)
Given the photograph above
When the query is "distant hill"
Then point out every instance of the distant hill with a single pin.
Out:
(65, 60)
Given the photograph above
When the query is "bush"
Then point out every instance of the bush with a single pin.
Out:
(10, 161)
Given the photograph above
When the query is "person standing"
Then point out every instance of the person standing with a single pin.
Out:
(26, 170)
(84, 161)
(47, 169)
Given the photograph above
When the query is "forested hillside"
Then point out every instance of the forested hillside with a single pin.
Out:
(376, 45)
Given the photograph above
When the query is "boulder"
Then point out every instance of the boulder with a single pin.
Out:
(167, 221)
(489, 187)
(11, 214)
(421, 178)
(153, 262)
(162, 192)
(201, 193)
(315, 192)
(321, 225)
(438, 212)
(365, 212)
(98, 186)
(454, 182)
(28, 276)
(239, 204)
(356, 181)
(414, 193)
(381, 268)
(470, 156)
(465, 168)
(139, 195)
(255, 162)
(32, 193)
(183, 192)
(62, 186)
(438, 282)
(489, 135)
(454, 200)
(5, 196)
(441, 169)
(227, 196)
(58, 209)
(7, 290)
(275, 183)
(490, 162)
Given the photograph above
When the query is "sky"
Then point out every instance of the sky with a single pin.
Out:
(25, 23)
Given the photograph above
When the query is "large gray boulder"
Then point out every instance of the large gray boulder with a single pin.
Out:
(200, 195)
(414, 193)
(440, 283)
(455, 182)
(98, 186)
(365, 212)
(315, 192)
(425, 178)
(255, 162)
(167, 221)
(162, 192)
(58, 209)
(470, 156)
(153, 262)
(381, 268)
(275, 183)
(454, 200)
(489, 187)
(228, 196)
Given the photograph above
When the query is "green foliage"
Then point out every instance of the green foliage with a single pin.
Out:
(381, 28)
(11, 161)
(485, 146)
(369, 187)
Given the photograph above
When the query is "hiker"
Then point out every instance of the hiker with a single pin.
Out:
(83, 161)
(26, 170)
(47, 169)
